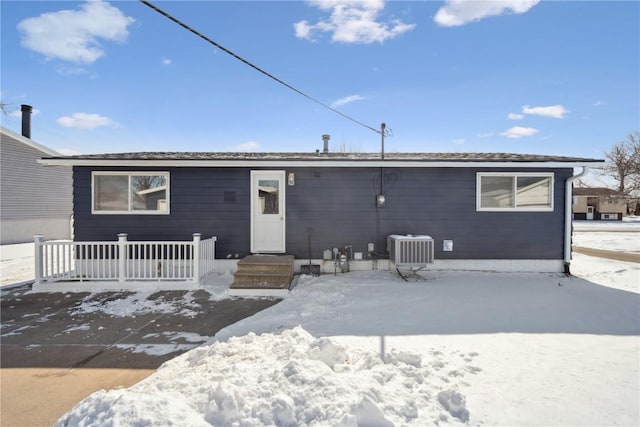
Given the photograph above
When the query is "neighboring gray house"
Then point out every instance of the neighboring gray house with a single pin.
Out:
(483, 210)
(33, 199)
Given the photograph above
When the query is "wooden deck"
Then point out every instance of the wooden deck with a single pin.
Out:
(263, 275)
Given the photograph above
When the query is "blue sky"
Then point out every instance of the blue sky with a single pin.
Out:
(466, 76)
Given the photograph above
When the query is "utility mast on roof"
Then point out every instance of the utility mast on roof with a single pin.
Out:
(382, 132)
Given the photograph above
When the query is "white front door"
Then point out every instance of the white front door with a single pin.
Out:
(267, 211)
(589, 212)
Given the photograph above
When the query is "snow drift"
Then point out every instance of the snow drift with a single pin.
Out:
(285, 378)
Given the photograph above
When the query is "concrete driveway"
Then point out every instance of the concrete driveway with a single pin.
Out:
(56, 348)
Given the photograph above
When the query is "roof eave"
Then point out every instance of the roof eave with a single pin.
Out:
(316, 163)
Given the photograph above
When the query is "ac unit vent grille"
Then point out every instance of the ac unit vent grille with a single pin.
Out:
(410, 251)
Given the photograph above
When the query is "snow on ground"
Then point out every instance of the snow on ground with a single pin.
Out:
(613, 236)
(623, 236)
(16, 263)
(366, 348)
(618, 241)
(618, 274)
(137, 303)
(629, 223)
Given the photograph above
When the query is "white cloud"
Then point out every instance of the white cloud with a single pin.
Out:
(598, 103)
(86, 121)
(485, 134)
(460, 12)
(73, 35)
(352, 21)
(18, 113)
(303, 29)
(459, 141)
(514, 116)
(346, 100)
(246, 146)
(167, 61)
(519, 132)
(555, 111)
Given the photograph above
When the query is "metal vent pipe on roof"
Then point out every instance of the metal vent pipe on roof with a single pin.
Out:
(325, 140)
(26, 120)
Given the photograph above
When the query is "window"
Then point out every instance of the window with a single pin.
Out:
(511, 191)
(130, 193)
(269, 199)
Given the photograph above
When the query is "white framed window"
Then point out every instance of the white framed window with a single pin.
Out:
(118, 193)
(532, 192)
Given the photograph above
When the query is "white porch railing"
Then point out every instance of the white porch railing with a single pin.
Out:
(124, 261)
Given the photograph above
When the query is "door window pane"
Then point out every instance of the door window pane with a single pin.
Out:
(268, 196)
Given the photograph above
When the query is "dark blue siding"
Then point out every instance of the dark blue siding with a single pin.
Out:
(335, 207)
(197, 204)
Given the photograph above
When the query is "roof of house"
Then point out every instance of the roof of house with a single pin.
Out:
(29, 142)
(317, 159)
(596, 192)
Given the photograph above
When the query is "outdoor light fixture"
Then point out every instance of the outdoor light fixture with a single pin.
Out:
(292, 178)
(380, 200)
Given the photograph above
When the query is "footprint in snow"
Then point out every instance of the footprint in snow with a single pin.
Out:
(456, 373)
(472, 369)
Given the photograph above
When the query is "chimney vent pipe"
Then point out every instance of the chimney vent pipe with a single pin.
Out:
(325, 140)
(26, 120)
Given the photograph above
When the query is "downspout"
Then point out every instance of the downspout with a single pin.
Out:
(568, 201)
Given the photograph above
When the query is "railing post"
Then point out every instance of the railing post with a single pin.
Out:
(38, 239)
(196, 256)
(122, 256)
(212, 255)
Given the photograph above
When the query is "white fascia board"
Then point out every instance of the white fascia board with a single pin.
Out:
(311, 163)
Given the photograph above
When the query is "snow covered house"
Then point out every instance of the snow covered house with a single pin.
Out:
(482, 210)
(33, 199)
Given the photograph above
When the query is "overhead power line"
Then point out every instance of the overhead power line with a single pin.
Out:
(255, 67)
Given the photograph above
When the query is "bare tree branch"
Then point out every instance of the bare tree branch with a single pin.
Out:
(624, 163)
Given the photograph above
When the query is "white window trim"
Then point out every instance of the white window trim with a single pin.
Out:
(129, 174)
(479, 175)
